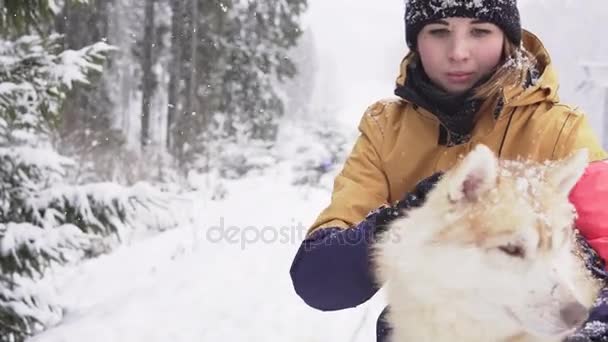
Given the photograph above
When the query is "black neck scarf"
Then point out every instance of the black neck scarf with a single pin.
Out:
(455, 112)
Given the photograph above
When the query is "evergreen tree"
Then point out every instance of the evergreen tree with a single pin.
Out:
(20, 16)
(35, 76)
(241, 60)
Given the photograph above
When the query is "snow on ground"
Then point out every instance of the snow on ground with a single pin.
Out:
(187, 284)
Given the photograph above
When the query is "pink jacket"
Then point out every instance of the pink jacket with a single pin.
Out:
(590, 198)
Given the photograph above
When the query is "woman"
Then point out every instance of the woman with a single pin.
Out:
(472, 76)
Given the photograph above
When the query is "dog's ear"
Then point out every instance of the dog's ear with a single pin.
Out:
(474, 175)
(568, 171)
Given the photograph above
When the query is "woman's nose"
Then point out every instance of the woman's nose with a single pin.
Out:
(459, 50)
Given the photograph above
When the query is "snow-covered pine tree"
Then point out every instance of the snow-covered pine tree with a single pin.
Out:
(44, 220)
(117, 127)
(35, 228)
(240, 62)
(204, 71)
(87, 127)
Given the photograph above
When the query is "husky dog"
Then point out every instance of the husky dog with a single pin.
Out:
(490, 256)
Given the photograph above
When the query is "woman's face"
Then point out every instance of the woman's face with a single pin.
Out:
(458, 52)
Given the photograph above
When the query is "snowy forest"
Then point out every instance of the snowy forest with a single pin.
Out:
(108, 105)
(131, 129)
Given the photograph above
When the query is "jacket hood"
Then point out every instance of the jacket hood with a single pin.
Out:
(543, 89)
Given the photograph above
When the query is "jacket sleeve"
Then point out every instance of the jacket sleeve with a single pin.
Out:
(590, 198)
(362, 184)
(577, 134)
(332, 269)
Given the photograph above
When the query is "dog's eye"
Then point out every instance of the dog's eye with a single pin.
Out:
(516, 251)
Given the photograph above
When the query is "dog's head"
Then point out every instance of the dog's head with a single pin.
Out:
(497, 238)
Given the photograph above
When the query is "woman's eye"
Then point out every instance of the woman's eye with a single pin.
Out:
(480, 32)
(439, 32)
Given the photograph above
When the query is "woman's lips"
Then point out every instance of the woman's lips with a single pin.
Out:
(459, 77)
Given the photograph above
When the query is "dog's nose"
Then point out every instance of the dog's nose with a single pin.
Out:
(573, 314)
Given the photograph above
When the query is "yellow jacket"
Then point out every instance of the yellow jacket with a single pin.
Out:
(398, 142)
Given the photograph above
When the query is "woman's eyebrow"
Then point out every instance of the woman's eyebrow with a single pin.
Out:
(440, 21)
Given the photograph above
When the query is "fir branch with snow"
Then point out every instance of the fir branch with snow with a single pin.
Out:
(27, 306)
(63, 224)
(35, 76)
(20, 15)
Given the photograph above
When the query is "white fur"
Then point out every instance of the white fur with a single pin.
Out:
(459, 285)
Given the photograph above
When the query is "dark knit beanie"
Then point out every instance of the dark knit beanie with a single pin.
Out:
(502, 13)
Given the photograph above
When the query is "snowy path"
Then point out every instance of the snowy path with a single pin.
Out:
(182, 285)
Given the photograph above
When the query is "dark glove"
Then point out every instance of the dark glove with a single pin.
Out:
(416, 198)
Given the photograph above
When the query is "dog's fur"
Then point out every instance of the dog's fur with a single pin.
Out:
(490, 256)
